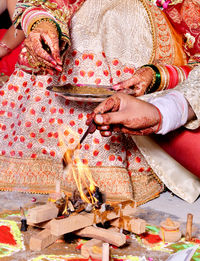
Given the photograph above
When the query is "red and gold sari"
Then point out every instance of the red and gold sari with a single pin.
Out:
(185, 18)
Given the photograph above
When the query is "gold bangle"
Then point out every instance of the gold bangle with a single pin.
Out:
(156, 79)
(163, 78)
(48, 20)
(167, 77)
(181, 75)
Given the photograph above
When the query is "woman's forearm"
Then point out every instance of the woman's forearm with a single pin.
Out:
(3, 6)
(11, 7)
(11, 39)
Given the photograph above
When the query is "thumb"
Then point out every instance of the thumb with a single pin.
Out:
(53, 43)
(109, 118)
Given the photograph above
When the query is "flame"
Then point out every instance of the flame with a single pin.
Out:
(65, 211)
(81, 172)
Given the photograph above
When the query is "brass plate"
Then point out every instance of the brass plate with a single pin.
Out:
(92, 93)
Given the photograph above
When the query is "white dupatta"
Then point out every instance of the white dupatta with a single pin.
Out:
(178, 179)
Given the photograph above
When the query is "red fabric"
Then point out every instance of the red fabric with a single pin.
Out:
(185, 19)
(184, 146)
(7, 63)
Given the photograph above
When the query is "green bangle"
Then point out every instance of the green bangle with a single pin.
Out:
(157, 79)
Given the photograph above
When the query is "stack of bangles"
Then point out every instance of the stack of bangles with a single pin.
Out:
(3, 45)
(167, 76)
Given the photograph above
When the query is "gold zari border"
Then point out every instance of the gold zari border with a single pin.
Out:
(40, 176)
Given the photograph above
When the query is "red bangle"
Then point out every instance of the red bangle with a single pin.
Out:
(173, 76)
(160, 119)
(5, 47)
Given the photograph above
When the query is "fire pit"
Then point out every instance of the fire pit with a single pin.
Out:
(82, 212)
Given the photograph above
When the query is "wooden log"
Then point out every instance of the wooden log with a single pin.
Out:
(42, 213)
(105, 252)
(188, 234)
(132, 224)
(45, 224)
(106, 235)
(81, 220)
(42, 240)
(92, 248)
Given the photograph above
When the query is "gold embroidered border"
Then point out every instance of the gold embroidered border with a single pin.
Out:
(39, 176)
(162, 36)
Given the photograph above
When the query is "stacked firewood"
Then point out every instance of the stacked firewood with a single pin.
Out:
(66, 216)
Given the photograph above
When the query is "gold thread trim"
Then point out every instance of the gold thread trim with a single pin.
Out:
(147, 8)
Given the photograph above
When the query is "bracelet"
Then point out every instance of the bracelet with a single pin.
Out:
(49, 20)
(149, 88)
(160, 119)
(3, 45)
(164, 77)
(156, 80)
(173, 76)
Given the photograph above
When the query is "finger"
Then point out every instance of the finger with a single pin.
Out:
(126, 84)
(92, 128)
(103, 128)
(39, 54)
(45, 63)
(53, 44)
(129, 91)
(58, 68)
(42, 54)
(109, 118)
(106, 133)
(44, 67)
(31, 61)
(90, 118)
(51, 72)
(107, 105)
(140, 89)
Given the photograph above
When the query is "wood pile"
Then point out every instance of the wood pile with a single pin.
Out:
(84, 221)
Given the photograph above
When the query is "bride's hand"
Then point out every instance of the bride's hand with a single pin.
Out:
(138, 83)
(43, 45)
